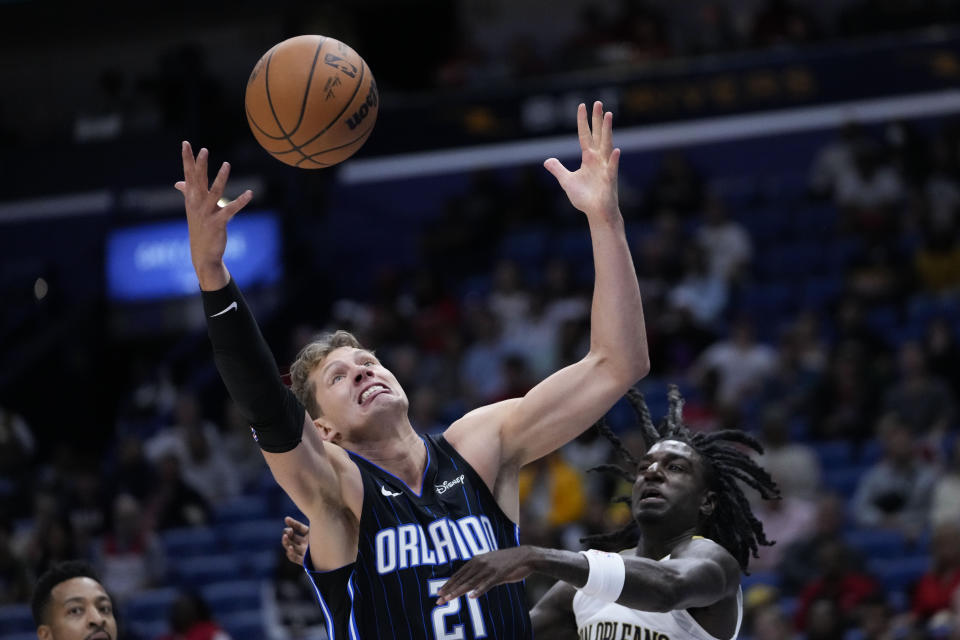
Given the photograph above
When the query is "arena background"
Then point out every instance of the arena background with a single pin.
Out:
(790, 186)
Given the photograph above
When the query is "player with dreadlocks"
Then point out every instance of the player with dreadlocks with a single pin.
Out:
(693, 532)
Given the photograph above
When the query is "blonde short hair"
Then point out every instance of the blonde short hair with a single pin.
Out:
(309, 359)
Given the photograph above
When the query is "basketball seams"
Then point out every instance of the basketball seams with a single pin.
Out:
(306, 91)
(266, 80)
(278, 93)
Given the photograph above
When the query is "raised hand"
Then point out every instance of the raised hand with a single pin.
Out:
(593, 187)
(294, 540)
(485, 571)
(206, 219)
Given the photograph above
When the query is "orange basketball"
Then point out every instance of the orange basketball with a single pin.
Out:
(311, 101)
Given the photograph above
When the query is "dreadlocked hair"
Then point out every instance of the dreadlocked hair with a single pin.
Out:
(732, 524)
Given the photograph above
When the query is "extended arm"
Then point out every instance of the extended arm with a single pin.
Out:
(569, 401)
(298, 459)
(701, 577)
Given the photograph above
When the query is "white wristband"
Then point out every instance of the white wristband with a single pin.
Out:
(607, 573)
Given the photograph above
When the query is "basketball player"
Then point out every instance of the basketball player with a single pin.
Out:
(394, 514)
(69, 603)
(682, 579)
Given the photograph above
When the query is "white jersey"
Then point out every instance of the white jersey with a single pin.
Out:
(599, 620)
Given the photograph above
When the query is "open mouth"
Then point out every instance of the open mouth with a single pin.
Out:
(98, 635)
(371, 391)
(650, 495)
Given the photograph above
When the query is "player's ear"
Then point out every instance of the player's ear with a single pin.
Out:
(327, 431)
(44, 632)
(708, 503)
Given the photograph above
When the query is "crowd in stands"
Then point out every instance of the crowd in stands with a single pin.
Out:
(853, 394)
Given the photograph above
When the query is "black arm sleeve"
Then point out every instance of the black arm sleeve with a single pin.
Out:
(249, 371)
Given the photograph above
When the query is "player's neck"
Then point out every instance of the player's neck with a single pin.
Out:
(403, 454)
(655, 543)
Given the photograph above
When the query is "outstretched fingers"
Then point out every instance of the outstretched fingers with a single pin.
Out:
(583, 128)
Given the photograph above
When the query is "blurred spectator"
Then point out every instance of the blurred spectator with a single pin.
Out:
(49, 539)
(876, 619)
(88, 505)
(941, 189)
(740, 364)
(769, 622)
(794, 465)
(935, 590)
(844, 402)
(922, 401)
(551, 495)
(726, 242)
(701, 293)
(937, 259)
(173, 503)
(835, 159)
(289, 603)
(129, 557)
(792, 384)
(796, 568)
(17, 448)
(14, 576)
(190, 619)
(895, 492)
(480, 367)
(868, 193)
(239, 447)
(945, 499)
(517, 379)
(876, 276)
(676, 186)
(509, 299)
(786, 521)
(196, 443)
(133, 473)
(828, 603)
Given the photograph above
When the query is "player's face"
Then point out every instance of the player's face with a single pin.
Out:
(80, 609)
(670, 482)
(352, 386)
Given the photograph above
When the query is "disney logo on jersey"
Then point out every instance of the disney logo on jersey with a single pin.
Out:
(448, 484)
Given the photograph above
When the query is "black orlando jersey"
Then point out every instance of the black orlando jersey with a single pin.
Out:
(409, 545)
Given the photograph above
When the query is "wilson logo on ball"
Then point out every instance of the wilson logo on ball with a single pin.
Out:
(364, 109)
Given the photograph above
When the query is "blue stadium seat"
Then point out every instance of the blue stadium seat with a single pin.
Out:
(149, 628)
(241, 508)
(253, 535)
(843, 480)
(189, 541)
(16, 618)
(877, 543)
(202, 570)
(244, 625)
(153, 604)
(261, 565)
(834, 453)
(225, 598)
(818, 292)
(900, 574)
